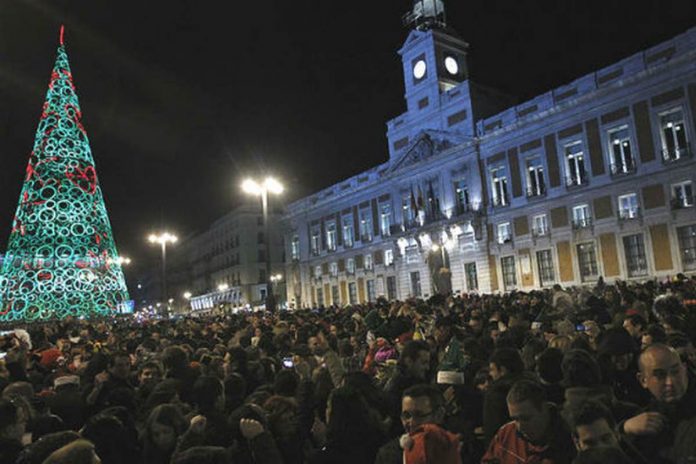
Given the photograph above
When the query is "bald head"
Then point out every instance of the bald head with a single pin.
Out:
(663, 373)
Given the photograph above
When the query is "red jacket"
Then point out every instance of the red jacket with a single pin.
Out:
(510, 447)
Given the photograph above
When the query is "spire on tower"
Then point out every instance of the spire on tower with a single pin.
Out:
(62, 35)
(426, 14)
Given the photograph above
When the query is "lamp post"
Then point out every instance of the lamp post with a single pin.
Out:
(163, 239)
(262, 189)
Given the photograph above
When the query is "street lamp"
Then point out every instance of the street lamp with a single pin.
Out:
(269, 185)
(163, 239)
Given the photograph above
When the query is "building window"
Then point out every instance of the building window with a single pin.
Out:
(412, 254)
(388, 257)
(385, 221)
(682, 195)
(352, 293)
(371, 293)
(636, 261)
(260, 238)
(365, 226)
(461, 195)
(581, 217)
(315, 242)
(540, 225)
(259, 220)
(499, 187)
(295, 247)
(628, 206)
(331, 236)
(335, 298)
(391, 288)
(262, 276)
(575, 165)
(320, 297)
(348, 238)
(675, 144)
(317, 272)
(509, 275)
(415, 284)
(350, 266)
(535, 178)
(587, 259)
(333, 269)
(471, 276)
(545, 264)
(687, 246)
(369, 265)
(261, 256)
(504, 233)
(620, 151)
(408, 206)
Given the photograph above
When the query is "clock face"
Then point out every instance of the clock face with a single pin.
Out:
(419, 69)
(451, 65)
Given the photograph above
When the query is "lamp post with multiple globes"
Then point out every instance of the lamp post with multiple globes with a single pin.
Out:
(262, 189)
(163, 239)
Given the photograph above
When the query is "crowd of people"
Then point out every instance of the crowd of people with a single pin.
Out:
(600, 374)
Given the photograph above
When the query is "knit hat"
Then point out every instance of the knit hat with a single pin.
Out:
(431, 444)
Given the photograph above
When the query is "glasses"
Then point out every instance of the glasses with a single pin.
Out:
(408, 415)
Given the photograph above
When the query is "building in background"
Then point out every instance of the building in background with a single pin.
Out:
(594, 178)
(224, 267)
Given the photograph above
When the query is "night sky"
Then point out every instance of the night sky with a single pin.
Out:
(182, 99)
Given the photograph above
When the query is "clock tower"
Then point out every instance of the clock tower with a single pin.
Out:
(435, 78)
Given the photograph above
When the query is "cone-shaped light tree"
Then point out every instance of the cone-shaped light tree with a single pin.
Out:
(61, 259)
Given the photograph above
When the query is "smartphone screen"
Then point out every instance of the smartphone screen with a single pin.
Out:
(287, 363)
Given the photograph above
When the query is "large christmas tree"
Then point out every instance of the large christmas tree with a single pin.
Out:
(61, 259)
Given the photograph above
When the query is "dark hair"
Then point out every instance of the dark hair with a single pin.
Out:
(509, 358)
(412, 348)
(637, 320)
(350, 424)
(425, 390)
(526, 390)
(8, 413)
(657, 333)
(588, 413)
(164, 414)
(174, 358)
(118, 354)
(206, 390)
(548, 365)
(286, 383)
(39, 450)
(602, 455)
(580, 369)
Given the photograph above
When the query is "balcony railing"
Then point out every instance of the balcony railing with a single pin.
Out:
(505, 239)
(500, 202)
(676, 154)
(683, 202)
(577, 181)
(540, 231)
(538, 192)
(622, 169)
(632, 214)
(366, 238)
(582, 223)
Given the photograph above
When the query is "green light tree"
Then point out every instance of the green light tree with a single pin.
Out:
(61, 259)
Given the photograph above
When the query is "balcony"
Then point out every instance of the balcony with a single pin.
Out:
(618, 170)
(582, 223)
(672, 155)
(577, 181)
(683, 202)
(538, 192)
(462, 208)
(540, 232)
(504, 240)
(500, 202)
(632, 214)
(366, 238)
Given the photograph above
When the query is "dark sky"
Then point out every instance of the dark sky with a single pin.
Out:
(181, 99)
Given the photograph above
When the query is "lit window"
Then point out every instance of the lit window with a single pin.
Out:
(388, 257)
(628, 206)
(620, 151)
(575, 164)
(675, 144)
(581, 217)
(504, 233)
(499, 187)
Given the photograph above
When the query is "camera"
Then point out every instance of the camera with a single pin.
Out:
(580, 328)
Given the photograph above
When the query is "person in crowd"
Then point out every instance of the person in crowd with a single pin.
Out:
(162, 430)
(505, 368)
(673, 403)
(536, 433)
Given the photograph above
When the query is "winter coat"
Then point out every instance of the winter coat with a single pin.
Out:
(510, 447)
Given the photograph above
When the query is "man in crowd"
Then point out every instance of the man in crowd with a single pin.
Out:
(535, 434)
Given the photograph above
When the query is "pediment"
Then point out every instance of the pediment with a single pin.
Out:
(422, 147)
